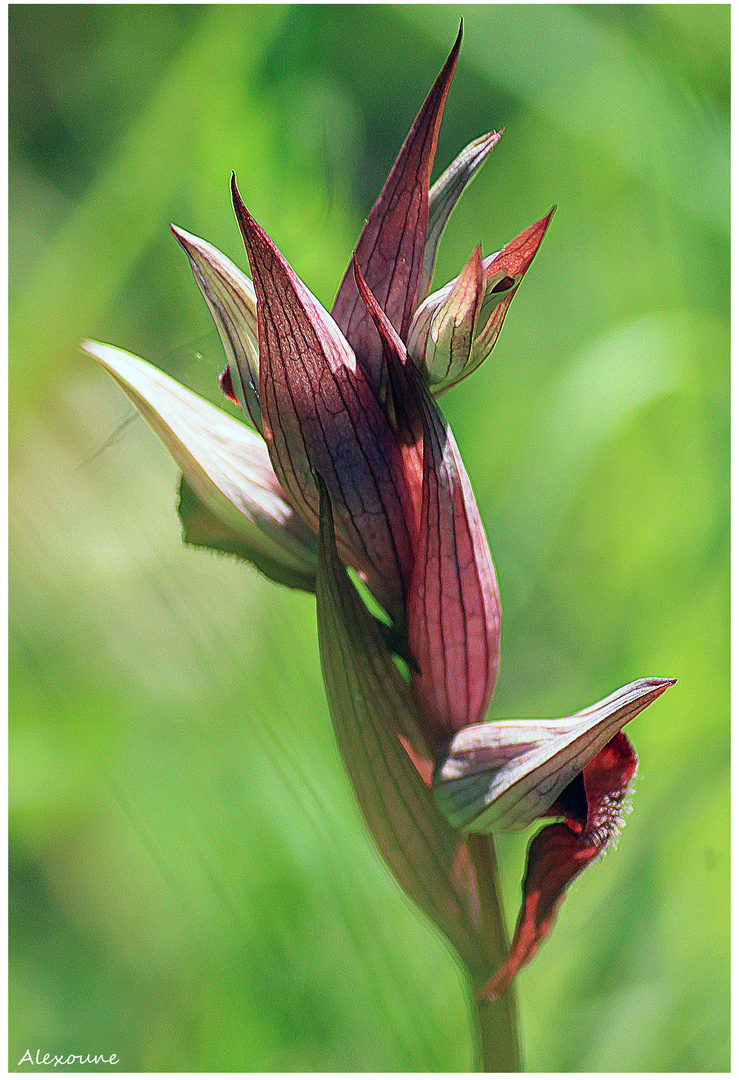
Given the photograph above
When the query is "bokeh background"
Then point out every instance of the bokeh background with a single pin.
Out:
(191, 885)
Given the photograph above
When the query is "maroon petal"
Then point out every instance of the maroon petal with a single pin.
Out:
(560, 852)
(320, 414)
(453, 608)
(390, 249)
(453, 605)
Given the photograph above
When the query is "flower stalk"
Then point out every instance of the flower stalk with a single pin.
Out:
(352, 465)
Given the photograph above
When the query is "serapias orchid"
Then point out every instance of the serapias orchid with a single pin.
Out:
(352, 465)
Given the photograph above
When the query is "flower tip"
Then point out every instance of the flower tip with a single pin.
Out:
(185, 239)
(238, 202)
(658, 683)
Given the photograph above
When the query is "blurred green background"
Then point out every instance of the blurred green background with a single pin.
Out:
(191, 887)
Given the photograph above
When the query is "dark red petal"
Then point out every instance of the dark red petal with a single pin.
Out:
(453, 605)
(453, 608)
(518, 254)
(390, 249)
(560, 852)
(224, 381)
(320, 413)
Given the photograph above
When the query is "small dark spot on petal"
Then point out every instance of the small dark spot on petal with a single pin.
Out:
(224, 381)
(503, 285)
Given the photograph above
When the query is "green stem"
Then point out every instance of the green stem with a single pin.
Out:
(499, 1049)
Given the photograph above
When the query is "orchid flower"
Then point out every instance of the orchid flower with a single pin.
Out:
(352, 465)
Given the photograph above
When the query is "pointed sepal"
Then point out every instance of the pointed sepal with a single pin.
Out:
(391, 247)
(320, 414)
(503, 274)
(232, 301)
(444, 195)
(502, 775)
(226, 465)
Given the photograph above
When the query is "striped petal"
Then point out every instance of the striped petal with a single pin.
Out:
(443, 198)
(503, 775)
(320, 414)
(390, 250)
(241, 507)
(453, 605)
(453, 618)
(232, 301)
(374, 717)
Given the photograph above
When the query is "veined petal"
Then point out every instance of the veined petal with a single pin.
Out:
(453, 605)
(390, 249)
(372, 710)
(443, 198)
(230, 295)
(502, 775)
(441, 335)
(224, 462)
(504, 272)
(320, 414)
(453, 622)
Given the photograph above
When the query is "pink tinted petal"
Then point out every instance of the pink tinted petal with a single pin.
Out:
(453, 606)
(514, 260)
(453, 617)
(390, 249)
(560, 852)
(320, 413)
(444, 335)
